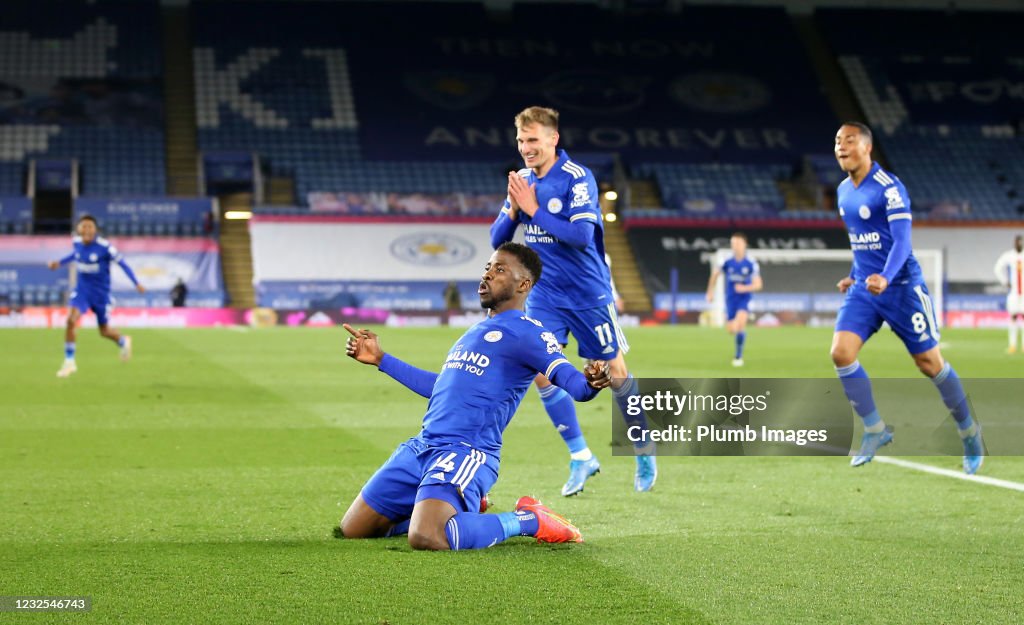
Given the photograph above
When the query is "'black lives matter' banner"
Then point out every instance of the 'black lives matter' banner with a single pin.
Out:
(809, 417)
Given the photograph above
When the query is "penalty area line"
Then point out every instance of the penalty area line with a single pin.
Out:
(927, 468)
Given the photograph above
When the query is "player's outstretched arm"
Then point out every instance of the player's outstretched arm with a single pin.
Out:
(131, 275)
(582, 386)
(364, 346)
(54, 264)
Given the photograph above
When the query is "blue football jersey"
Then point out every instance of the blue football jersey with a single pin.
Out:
(484, 378)
(93, 264)
(572, 278)
(739, 271)
(867, 211)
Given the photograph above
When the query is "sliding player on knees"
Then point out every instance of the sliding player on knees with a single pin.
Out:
(432, 485)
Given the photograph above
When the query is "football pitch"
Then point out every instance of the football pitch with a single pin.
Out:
(201, 482)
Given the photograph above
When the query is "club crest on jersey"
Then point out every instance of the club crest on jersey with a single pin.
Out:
(555, 205)
(865, 212)
(93, 257)
(493, 336)
(553, 345)
(893, 199)
(580, 195)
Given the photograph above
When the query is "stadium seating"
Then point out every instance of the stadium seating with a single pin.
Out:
(941, 99)
(287, 117)
(308, 95)
(83, 82)
(738, 188)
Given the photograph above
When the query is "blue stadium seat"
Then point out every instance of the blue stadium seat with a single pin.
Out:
(951, 150)
(112, 123)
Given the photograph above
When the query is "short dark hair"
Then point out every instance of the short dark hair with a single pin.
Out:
(740, 235)
(88, 217)
(526, 256)
(863, 128)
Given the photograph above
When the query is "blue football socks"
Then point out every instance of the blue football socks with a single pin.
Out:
(952, 391)
(562, 412)
(622, 394)
(857, 386)
(472, 530)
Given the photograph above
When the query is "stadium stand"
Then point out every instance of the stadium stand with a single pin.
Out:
(157, 216)
(285, 93)
(81, 81)
(944, 98)
(717, 187)
(308, 97)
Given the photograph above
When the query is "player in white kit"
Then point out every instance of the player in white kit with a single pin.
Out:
(1009, 271)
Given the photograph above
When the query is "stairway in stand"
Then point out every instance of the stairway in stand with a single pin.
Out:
(236, 252)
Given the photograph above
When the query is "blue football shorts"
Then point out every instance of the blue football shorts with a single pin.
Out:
(596, 330)
(100, 303)
(735, 304)
(456, 473)
(907, 308)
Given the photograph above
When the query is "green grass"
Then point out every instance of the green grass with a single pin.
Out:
(200, 483)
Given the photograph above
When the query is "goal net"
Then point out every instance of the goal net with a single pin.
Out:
(800, 285)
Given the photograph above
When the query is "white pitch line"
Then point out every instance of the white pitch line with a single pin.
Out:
(927, 468)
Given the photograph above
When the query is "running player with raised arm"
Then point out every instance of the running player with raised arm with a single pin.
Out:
(1009, 271)
(556, 200)
(742, 280)
(886, 285)
(92, 255)
(432, 485)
